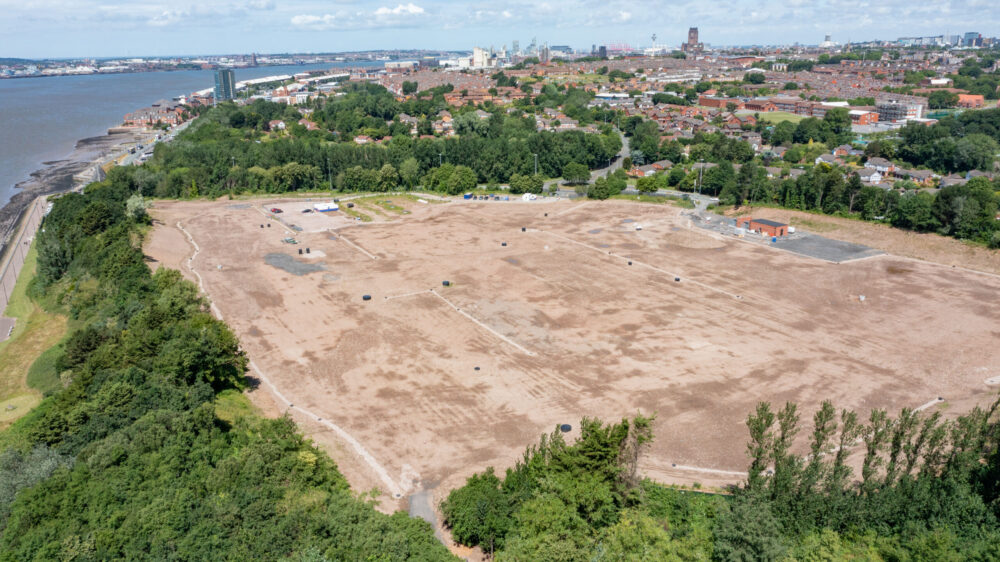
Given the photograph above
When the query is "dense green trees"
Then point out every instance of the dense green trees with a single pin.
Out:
(575, 173)
(604, 187)
(214, 157)
(942, 99)
(577, 501)
(130, 460)
(920, 493)
(659, 98)
(954, 144)
(525, 184)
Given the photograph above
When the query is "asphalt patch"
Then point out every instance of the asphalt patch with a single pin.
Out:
(836, 251)
(287, 263)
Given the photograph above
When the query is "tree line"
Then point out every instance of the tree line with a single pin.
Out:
(221, 153)
(928, 490)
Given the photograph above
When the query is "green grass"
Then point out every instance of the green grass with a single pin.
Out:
(231, 405)
(369, 205)
(353, 212)
(42, 375)
(779, 116)
(817, 226)
(582, 78)
(658, 199)
(430, 200)
(383, 202)
(388, 205)
(36, 333)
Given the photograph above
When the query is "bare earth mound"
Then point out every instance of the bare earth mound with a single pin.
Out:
(425, 384)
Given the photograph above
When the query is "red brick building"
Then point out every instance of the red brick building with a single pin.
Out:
(721, 103)
(760, 106)
(763, 226)
(863, 117)
(970, 101)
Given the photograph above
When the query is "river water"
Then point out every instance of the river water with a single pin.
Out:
(42, 118)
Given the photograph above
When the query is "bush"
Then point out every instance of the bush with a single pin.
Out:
(575, 173)
(479, 513)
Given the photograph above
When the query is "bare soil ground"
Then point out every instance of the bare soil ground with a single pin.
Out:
(435, 382)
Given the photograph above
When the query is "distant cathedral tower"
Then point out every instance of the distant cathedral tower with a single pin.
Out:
(692, 44)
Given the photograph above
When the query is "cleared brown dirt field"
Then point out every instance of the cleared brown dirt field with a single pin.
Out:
(561, 329)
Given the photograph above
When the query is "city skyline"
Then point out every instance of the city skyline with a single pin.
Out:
(90, 28)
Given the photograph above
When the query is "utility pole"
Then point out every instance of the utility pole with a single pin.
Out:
(536, 162)
(440, 154)
(701, 170)
(329, 172)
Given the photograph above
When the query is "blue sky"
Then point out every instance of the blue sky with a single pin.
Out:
(78, 28)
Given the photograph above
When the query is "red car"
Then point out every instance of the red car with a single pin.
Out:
(276, 210)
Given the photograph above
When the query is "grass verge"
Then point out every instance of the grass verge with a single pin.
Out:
(670, 199)
(36, 334)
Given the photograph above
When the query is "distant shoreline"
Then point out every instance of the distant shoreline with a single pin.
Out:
(139, 71)
(353, 64)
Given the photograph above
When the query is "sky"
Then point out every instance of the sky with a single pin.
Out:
(106, 28)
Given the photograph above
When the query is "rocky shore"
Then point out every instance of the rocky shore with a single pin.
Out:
(57, 176)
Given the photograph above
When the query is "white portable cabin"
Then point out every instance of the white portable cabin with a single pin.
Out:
(326, 207)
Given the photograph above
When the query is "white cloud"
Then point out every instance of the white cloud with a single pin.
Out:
(403, 15)
(402, 9)
(317, 23)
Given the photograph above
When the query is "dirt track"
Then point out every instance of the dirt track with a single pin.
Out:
(561, 329)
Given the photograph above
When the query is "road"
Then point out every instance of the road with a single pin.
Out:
(600, 173)
(615, 164)
(134, 159)
(17, 251)
(420, 506)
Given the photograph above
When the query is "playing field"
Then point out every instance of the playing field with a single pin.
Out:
(779, 116)
(424, 384)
